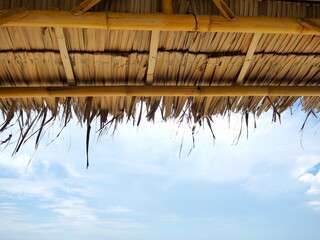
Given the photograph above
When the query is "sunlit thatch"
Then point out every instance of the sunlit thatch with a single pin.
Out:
(31, 56)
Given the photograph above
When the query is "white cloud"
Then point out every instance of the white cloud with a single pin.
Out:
(123, 224)
(18, 223)
(75, 209)
(307, 178)
(315, 205)
(25, 188)
(303, 163)
(313, 191)
(10, 211)
(313, 181)
(19, 164)
(118, 209)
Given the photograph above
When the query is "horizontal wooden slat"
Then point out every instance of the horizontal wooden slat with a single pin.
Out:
(163, 22)
(157, 91)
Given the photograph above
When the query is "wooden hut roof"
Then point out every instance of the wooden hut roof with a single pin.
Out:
(175, 57)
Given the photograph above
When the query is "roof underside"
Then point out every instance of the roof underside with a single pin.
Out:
(34, 56)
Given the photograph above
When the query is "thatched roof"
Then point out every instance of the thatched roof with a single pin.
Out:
(265, 46)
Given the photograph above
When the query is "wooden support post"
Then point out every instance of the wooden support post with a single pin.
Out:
(225, 10)
(309, 24)
(13, 15)
(163, 22)
(252, 47)
(167, 6)
(84, 6)
(154, 43)
(159, 91)
(65, 56)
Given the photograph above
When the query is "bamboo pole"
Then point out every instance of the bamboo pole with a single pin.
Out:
(65, 56)
(157, 91)
(247, 62)
(154, 44)
(163, 22)
(167, 6)
(12, 15)
(309, 24)
(84, 6)
(225, 10)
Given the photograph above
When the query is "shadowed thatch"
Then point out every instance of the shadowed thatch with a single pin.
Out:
(33, 56)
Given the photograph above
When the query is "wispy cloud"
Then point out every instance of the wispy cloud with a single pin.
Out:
(19, 223)
(315, 205)
(313, 190)
(27, 188)
(17, 164)
(73, 209)
(10, 212)
(118, 209)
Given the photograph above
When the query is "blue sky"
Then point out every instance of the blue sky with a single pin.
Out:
(137, 186)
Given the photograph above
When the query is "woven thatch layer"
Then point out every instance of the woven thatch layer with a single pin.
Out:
(31, 69)
(172, 68)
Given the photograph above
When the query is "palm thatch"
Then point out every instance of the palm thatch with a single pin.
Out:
(46, 56)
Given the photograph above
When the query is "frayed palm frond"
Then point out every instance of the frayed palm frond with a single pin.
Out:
(9, 117)
(7, 140)
(209, 121)
(275, 112)
(311, 112)
(35, 122)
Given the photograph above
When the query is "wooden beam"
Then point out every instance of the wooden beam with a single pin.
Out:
(84, 6)
(309, 24)
(167, 6)
(157, 91)
(163, 22)
(252, 47)
(65, 56)
(13, 15)
(154, 43)
(225, 10)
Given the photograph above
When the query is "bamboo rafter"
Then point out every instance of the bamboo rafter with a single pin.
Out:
(12, 15)
(309, 24)
(84, 6)
(167, 6)
(65, 56)
(154, 43)
(163, 22)
(225, 10)
(252, 47)
(157, 91)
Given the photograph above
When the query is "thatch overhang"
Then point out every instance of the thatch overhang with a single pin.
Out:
(181, 57)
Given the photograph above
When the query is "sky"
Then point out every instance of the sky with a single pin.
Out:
(142, 185)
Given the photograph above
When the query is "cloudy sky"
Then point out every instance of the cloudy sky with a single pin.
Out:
(138, 187)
